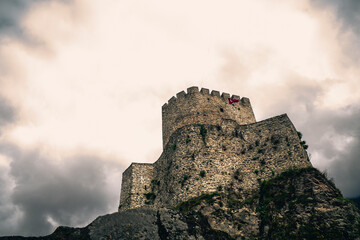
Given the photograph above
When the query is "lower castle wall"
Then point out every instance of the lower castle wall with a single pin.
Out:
(207, 158)
(136, 181)
(231, 155)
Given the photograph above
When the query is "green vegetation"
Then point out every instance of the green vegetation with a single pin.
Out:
(237, 175)
(155, 182)
(187, 140)
(261, 150)
(299, 135)
(236, 204)
(344, 199)
(150, 197)
(203, 132)
(202, 173)
(191, 203)
(281, 194)
(275, 139)
(302, 143)
(173, 147)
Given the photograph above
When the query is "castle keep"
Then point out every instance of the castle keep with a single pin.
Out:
(210, 145)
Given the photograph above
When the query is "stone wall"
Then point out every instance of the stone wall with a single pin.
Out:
(210, 145)
(196, 107)
(136, 181)
(207, 158)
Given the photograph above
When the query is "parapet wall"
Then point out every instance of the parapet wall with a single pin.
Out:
(136, 181)
(203, 107)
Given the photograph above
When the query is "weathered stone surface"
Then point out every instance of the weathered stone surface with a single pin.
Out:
(303, 204)
(298, 204)
(200, 107)
(136, 181)
(203, 158)
(141, 223)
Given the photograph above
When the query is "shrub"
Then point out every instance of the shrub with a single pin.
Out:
(261, 150)
(188, 205)
(304, 145)
(275, 139)
(155, 182)
(202, 173)
(203, 132)
(237, 174)
(299, 135)
(150, 196)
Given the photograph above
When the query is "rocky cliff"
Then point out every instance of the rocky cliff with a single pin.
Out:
(297, 204)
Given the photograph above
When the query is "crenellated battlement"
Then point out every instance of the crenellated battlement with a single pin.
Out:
(203, 107)
(204, 91)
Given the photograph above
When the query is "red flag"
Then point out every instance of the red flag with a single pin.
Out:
(232, 100)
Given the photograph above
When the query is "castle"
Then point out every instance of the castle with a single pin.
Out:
(210, 145)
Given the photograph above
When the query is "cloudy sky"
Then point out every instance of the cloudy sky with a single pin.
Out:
(82, 83)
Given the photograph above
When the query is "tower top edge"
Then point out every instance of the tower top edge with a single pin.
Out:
(205, 92)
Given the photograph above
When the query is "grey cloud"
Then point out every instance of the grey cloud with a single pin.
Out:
(347, 11)
(7, 113)
(343, 125)
(11, 14)
(70, 192)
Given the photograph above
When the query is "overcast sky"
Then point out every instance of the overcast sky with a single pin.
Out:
(82, 83)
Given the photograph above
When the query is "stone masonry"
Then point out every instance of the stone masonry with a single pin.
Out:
(210, 145)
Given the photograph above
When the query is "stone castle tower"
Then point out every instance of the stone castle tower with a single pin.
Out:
(210, 145)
